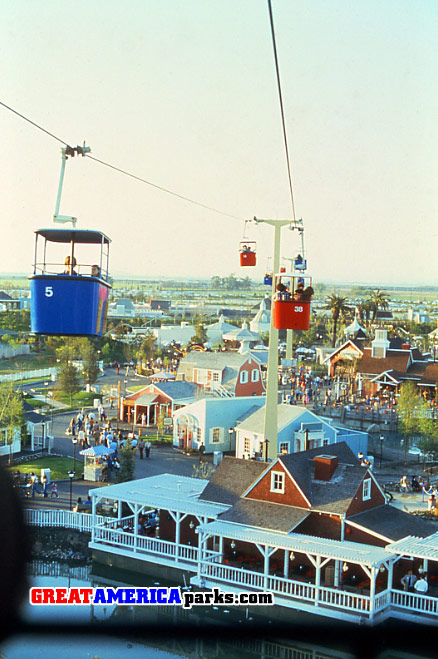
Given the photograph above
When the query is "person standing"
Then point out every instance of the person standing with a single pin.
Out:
(408, 581)
(141, 446)
(421, 586)
(81, 438)
(54, 489)
(148, 448)
(45, 484)
(34, 485)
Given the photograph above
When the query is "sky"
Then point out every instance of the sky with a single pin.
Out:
(184, 95)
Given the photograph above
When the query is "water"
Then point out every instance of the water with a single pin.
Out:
(139, 631)
(160, 632)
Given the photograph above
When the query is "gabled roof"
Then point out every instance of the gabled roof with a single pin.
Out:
(232, 477)
(397, 360)
(335, 495)
(328, 495)
(352, 343)
(392, 523)
(217, 360)
(178, 389)
(286, 414)
(264, 515)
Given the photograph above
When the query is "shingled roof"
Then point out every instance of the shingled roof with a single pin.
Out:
(393, 523)
(232, 477)
(301, 466)
(397, 360)
(264, 515)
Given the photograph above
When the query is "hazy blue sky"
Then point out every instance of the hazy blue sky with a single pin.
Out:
(183, 93)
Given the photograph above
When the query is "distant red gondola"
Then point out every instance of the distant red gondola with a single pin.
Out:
(247, 253)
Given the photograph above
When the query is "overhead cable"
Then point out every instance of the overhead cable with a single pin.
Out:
(277, 68)
(122, 171)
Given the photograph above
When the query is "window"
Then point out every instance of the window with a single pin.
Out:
(199, 435)
(284, 447)
(215, 377)
(277, 481)
(366, 489)
(325, 442)
(255, 375)
(247, 445)
(215, 435)
(243, 377)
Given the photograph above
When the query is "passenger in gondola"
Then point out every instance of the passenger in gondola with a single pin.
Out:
(303, 294)
(283, 292)
(95, 271)
(69, 266)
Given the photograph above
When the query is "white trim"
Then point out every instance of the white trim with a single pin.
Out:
(367, 530)
(278, 477)
(366, 489)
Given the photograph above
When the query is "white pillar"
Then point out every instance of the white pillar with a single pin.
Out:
(265, 567)
(177, 535)
(136, 509)
(94, 518)
(374, 572)
(317, 579)
(286, 564)
(271, 424)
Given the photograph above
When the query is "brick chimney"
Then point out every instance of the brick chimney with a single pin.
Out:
(325, 466)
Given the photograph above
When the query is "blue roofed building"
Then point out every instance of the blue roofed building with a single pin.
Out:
(299, 429)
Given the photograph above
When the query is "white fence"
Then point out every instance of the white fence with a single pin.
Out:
(29, 375)
(60, 518)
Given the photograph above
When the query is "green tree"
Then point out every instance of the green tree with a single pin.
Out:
(339, 309)
(408, 405)
(90, 366)
(68, 374)
(200, 336)
(11, 415)
(127, 464)
(146, 350)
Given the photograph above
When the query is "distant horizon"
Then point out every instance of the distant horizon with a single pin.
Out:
(131, 277)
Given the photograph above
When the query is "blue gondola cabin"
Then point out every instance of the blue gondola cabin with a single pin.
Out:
(70, 282)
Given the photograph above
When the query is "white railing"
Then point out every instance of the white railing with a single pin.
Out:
(329, 597)
(344, 600)
(60, 518)
(145, 544)
(414, 602)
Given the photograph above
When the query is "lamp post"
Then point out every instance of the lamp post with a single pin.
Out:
(360, 456)
(230, 435)
(74, 442)
(381, 449)
(71, 475)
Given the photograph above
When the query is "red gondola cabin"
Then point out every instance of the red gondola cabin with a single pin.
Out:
(292, 302)
(247, 253)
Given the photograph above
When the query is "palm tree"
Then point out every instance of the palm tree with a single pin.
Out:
(339, 308)
(378, 300)
(364, 307)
